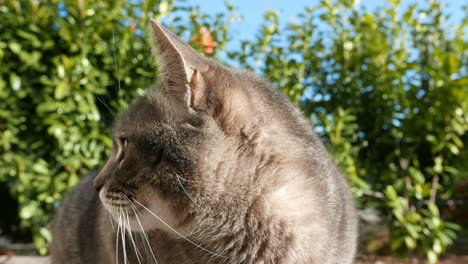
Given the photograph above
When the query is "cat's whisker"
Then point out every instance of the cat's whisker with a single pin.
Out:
(181, 185)
(136, 211)
(129, 231)
(182, 178)
(117, 241)
(122, 235)
(115, 58)
(178, 233)
(196, 231)
(110, 219)
(106, 105)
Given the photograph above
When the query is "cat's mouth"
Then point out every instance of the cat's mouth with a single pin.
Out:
(141, 211)
(124, 210)
(118, 199)
(118, 203)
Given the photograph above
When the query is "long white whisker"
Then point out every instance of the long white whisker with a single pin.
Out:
(129, 231)
(106, 105)
(179, 234)
(122, 235)
(117, 241)
(181, 185)
(115, 57)
(182, 178)
(135, 210)
(110, 219)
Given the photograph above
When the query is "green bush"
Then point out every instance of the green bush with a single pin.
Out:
(386, 90)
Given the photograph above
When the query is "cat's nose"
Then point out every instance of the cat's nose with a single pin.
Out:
(100, 178)
(97, 186)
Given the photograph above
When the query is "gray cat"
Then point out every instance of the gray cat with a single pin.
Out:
(214, 165)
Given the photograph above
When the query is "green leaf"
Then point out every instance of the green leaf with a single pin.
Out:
(391, 193)
(410, 242)
(163, 8)
(453, 148)
(61, 90)
(437, 246)
(438, 165)
(15, 82)
(432, 256)
(28, 211)
(15, 47)
(433, 209)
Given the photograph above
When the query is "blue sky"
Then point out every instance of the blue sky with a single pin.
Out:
(252, 10)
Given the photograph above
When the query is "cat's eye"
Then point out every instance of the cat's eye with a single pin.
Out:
(124, 143)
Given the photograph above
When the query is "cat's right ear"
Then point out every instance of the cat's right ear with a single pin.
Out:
(180, 68)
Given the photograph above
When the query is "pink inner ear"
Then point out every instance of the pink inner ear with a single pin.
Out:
(197, 91)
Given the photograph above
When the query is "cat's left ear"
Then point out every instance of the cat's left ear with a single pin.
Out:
(181, 68)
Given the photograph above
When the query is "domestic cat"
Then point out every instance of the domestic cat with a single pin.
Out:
(214, 165)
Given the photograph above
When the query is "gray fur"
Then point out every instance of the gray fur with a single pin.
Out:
(225, 160)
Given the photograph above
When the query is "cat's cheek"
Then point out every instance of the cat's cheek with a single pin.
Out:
(154, 213)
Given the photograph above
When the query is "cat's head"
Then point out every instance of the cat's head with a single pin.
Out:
(180, 150)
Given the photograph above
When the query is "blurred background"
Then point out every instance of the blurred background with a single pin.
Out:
(385, 84)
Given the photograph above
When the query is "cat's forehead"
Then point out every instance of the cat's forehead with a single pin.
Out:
(144, 113)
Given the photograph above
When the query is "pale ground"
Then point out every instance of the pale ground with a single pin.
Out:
(23, 260)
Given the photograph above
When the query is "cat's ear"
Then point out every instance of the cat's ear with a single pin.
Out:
(181, 68)
(192, 80)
